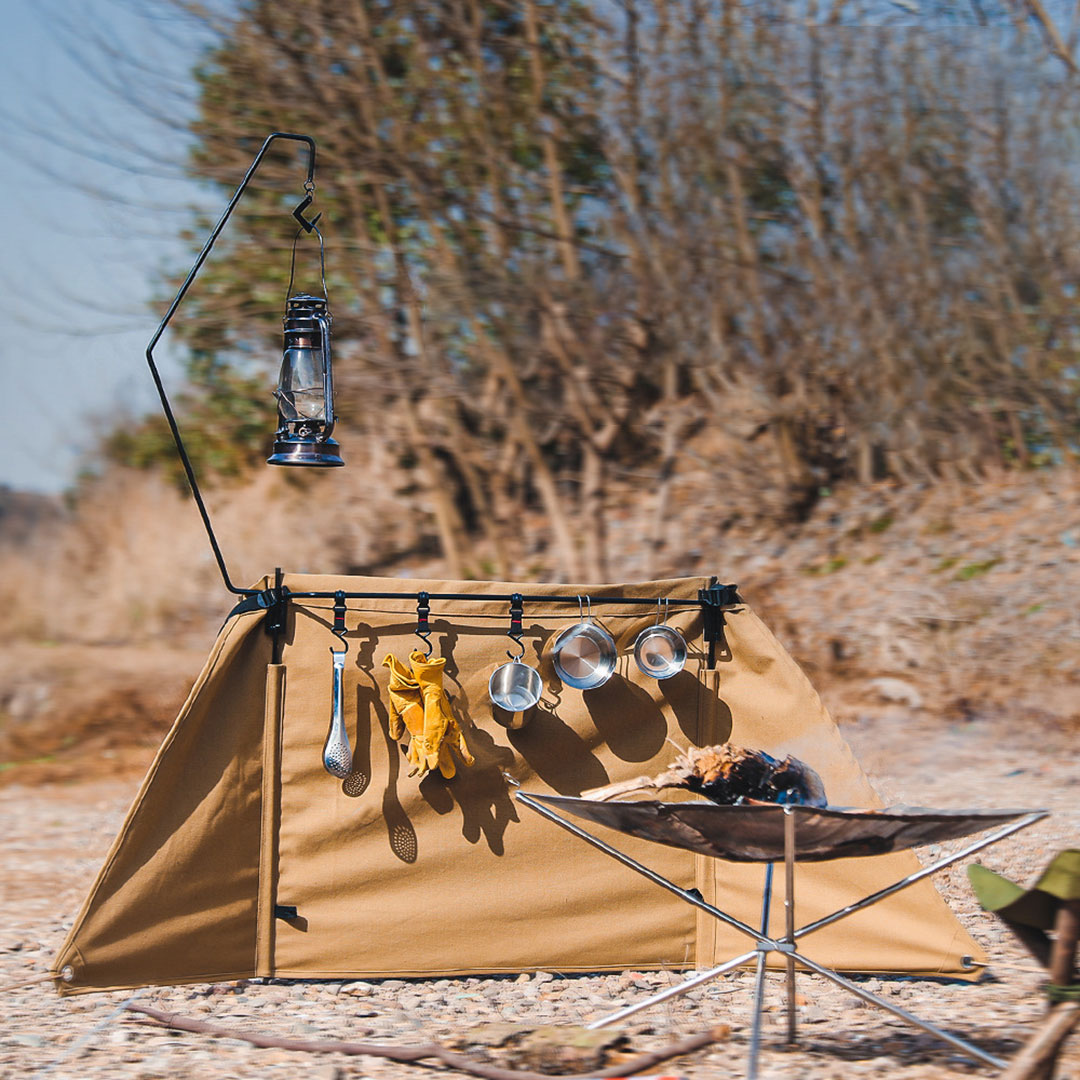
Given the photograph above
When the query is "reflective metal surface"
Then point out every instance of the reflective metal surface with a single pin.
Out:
(337, 754)
(309, 450)
(584, 655)
(660, 651)
(515, 686)
(755, 833)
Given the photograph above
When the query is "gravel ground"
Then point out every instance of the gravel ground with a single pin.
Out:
(55, 837)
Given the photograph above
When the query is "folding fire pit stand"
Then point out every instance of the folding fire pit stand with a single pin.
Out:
(768, 833)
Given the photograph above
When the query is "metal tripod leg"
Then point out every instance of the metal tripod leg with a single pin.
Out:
(903, 1014)
(763, 951)
(789, 917)
(696, 979)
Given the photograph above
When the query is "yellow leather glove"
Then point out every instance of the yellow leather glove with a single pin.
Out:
(419, 705)
(406, 705)
(441, 730)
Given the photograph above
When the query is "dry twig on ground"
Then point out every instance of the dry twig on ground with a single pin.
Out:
(416, 1054)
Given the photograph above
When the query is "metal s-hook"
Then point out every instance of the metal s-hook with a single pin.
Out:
(423, 627)
(515, 632)
(309, 198)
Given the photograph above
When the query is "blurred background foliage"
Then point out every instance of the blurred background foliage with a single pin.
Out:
(584, 254)
(622, 290)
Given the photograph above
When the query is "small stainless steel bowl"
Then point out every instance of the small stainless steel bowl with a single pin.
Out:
(660, 651)
(515, 686)
(584, 655)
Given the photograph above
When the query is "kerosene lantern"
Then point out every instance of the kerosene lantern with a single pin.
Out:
(305, 389)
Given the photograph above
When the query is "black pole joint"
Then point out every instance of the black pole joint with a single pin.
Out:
(713, 601)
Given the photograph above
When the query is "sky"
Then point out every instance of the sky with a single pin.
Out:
(77, 269)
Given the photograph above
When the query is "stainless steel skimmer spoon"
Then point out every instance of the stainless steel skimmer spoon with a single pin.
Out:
(337, 754)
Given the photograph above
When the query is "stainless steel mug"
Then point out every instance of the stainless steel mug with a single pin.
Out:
(515, 687)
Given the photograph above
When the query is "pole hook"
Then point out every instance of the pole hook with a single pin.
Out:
(298, 213)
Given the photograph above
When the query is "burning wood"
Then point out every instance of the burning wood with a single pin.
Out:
(729, 774)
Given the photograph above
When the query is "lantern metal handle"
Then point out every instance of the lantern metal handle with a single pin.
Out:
(323, 320)
(322, 257)
(189, 471)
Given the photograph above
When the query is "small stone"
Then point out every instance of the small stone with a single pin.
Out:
(898, 691)
(26, 1039)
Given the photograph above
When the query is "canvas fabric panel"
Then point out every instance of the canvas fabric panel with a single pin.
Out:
(395, 876)
(176, 900)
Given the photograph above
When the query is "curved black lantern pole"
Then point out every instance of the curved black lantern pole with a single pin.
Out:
(316, 342)
(305, 395)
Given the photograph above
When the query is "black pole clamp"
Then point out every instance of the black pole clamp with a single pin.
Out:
(517, 611)
(423, 627)
(713, 601)
(276, 602)
(339, 613)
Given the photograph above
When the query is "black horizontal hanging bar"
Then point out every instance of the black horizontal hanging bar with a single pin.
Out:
(727, 595)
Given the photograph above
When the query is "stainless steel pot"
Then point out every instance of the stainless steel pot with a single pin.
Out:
(584, 654)
(660, 651)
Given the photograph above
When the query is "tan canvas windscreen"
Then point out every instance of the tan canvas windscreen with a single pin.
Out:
(391, 875)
